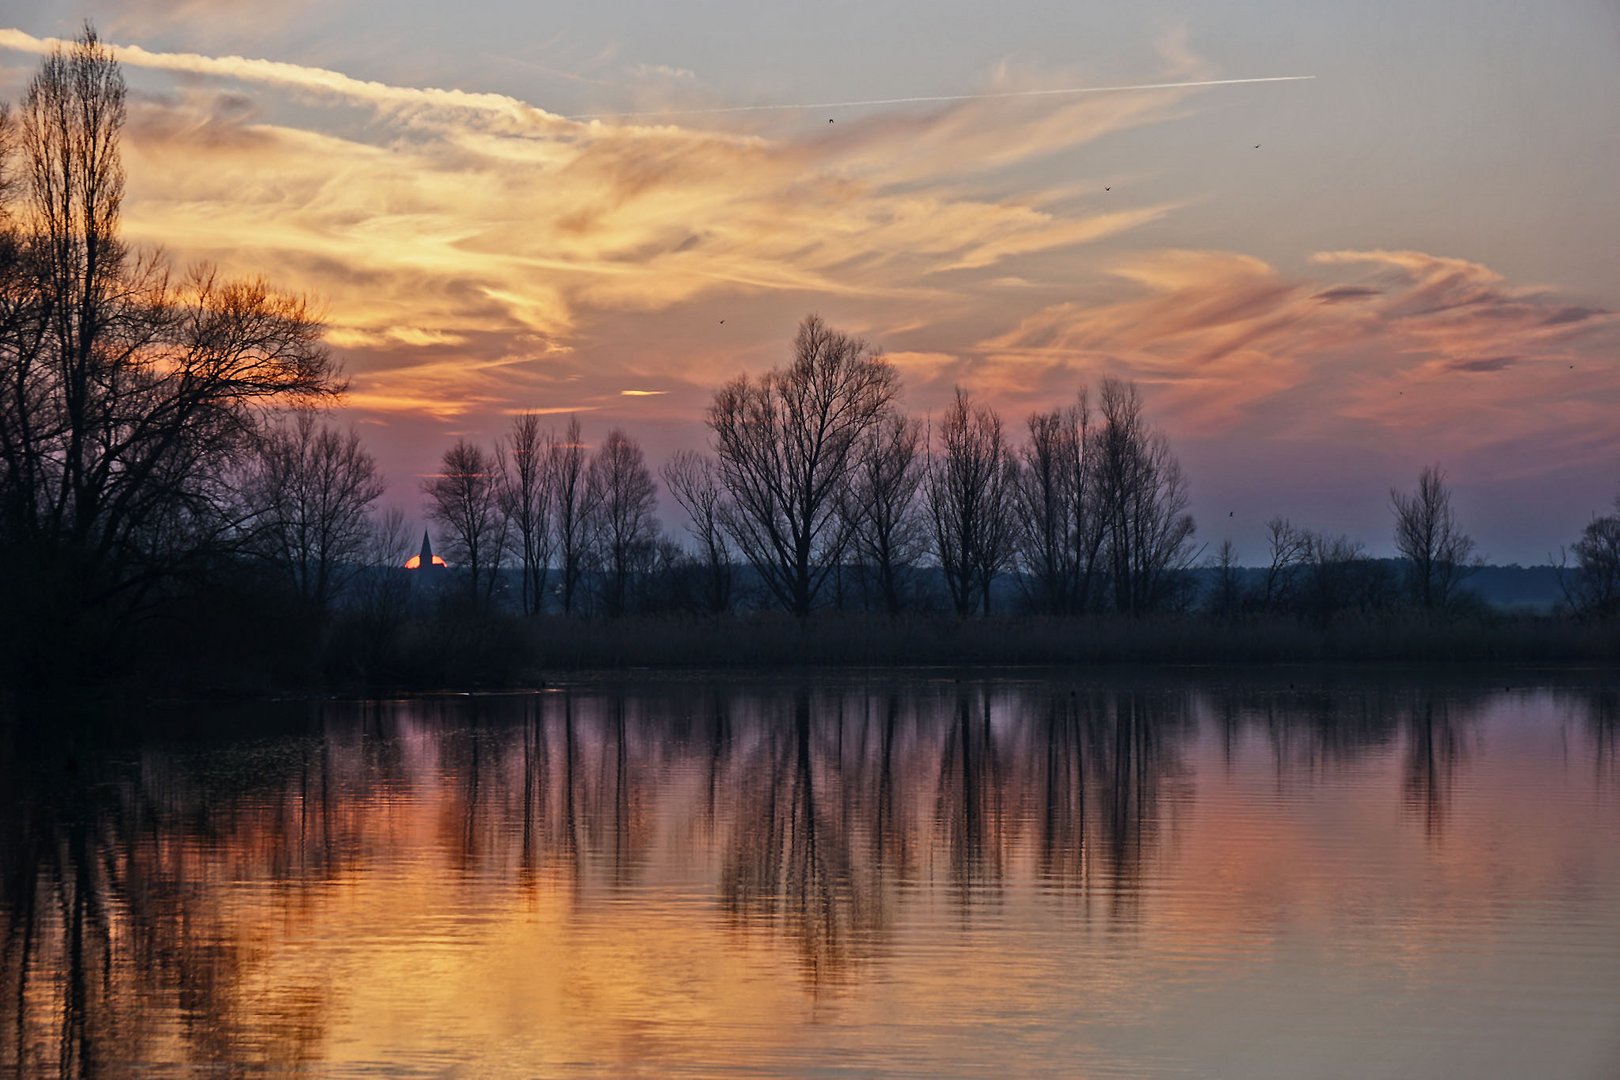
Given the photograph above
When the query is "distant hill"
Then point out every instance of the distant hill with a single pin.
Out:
(1527, 589)
(1517, 588)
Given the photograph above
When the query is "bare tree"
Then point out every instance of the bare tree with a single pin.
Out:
(1594, 588)
(624, 530)
(786, 443)
(1288, 550)
(1338, 577)
(889, 534)
(310, 489)
(968, 492)
(1439, 554)
(527, 490)
(126, 398)
(464, 501)
(1060, 532)
(694, 480)
(1142, 498)
(571, 500)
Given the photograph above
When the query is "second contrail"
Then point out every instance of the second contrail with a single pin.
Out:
(945, 97)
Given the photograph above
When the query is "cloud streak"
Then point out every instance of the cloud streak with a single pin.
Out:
(931, 99)
(459, 231)
(314, 80)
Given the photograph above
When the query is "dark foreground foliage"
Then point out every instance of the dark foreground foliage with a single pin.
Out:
(454, 647)
(852, 640)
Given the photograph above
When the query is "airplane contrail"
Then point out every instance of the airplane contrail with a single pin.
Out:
(944, 97)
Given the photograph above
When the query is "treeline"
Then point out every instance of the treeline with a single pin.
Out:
(171, 497)
(819, 492)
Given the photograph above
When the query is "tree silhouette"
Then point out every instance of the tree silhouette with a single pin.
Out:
(310, 488)
(694, 481)
(527, 492)
(624, 530)
(786, 443)
(1060, 531)
(571, 496)
(1595, 588)
(1142, 496)
(1439, 554)
(889, 535)
(464, 500)
(126, 396)
(969, 490)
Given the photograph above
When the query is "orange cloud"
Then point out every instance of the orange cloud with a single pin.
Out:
(449, 230)
(1421, 347)
(1203, 327)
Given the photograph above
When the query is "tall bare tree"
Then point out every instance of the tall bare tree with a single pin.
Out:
(968, 492)
(1060, 531)
(624, 528)
(464, 501)
(786, 443)
(694, 480)
(527, 491)
(1438, 553)
(1142, 496)
(126, 396)
(310, 489)
(571, 501)
(890, 535)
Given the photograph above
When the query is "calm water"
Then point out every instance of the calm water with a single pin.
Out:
(1173, 876)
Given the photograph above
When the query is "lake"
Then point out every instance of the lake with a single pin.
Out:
(1306, 874)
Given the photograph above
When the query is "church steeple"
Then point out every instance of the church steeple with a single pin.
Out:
(426, 560)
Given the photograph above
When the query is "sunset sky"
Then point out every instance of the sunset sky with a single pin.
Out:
(1420, 261)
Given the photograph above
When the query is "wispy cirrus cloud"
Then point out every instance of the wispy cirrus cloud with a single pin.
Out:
(457, 224)
(311, 80)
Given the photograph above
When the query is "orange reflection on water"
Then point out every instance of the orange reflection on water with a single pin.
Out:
(921, 877)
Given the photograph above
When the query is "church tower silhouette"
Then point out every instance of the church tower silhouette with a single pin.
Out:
(426, 560)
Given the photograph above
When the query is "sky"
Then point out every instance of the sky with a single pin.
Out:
(1321, 285)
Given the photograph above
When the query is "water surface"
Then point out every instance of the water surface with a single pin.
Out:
(1177, 875)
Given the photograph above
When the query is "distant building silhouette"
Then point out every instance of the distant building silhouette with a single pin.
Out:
(426, 560)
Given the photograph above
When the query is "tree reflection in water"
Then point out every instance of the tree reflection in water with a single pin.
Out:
(144, 888)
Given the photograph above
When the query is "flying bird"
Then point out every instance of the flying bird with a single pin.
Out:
(722, 322)
(1108, 189)
(829, 119)
(1257, 146)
